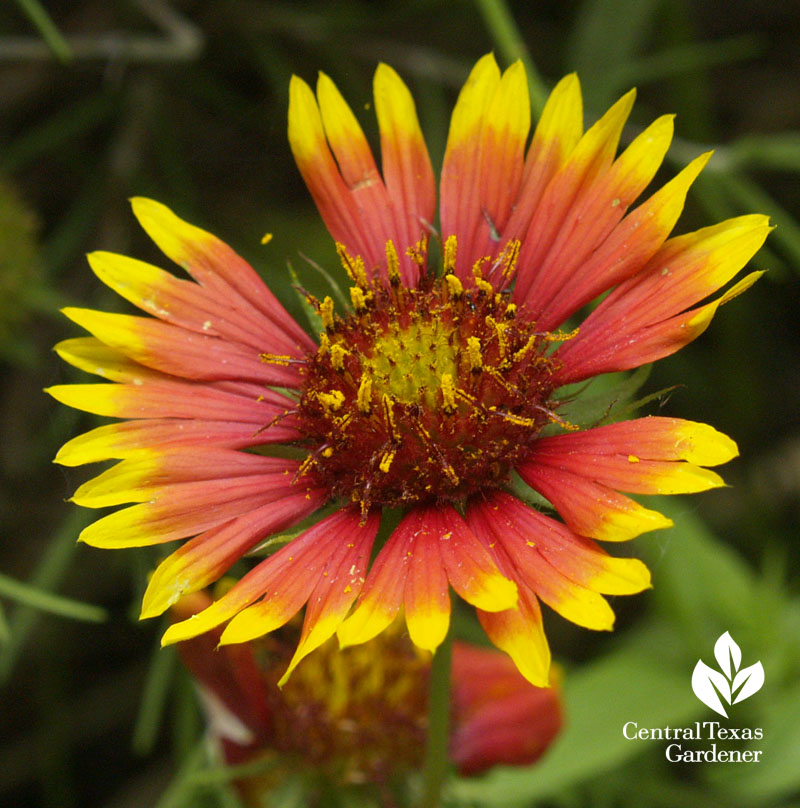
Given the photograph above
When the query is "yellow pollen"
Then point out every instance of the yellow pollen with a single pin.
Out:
(305, 465)
(450, 472)
(274, 359)
(500, 329)
(418, 252)
(386, 461)
(511, 311)
(633, 459)
(266, 238)
(332, 401)
(338, 354)
(388, 412)
(358, 299)
(517, 419)
(484, 286)
(509, 257)
(454, 285)
(561, 336)
(324, 344)
(327, 451)
(392, 263)
(326, 313)
(364, 400)
(477, 267)
(448, 394)
(474, 354)
(354, 267)
(450, 248)
(526, 348)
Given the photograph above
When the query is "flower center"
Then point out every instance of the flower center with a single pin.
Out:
(430, 393)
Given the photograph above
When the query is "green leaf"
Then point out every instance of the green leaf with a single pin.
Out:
(311, 314)
(697, 574)
(5, 631)
(154, 698)
(780, 152)
(750, 196)
(777, 774)
(626, 23)
(605, 399)
(47, 29)
(48, 602)
(51, 569)
(499, 21)
(686, 58)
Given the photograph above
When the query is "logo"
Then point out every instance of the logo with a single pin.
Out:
(732, 682)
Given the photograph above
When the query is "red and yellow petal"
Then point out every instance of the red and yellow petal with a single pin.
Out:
(426, 596)
(130, 439)
(592, 218)
(351, 196)
(557, 133)
(275, 590)
(502, 146)
(628, 248)
(181, 353)
(406, 166)
(207, 557)
(190, 305)
(646, 456)
(382, 595)
(461, 171)
(645, 317)
(144, 477)
(471, 569)
(650, 438)
(520, 633)
(279, 587)
(345, 136)
(591, 509)
(566, 571)
(337, 588)
(215, 266)
(167, 400)
(186, 509)
(318, 168)
(590, 158)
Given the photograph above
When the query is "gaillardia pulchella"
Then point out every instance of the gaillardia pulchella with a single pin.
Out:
(427, 394)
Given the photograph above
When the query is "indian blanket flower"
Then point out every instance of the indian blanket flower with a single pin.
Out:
(359, 715)
(436, 395)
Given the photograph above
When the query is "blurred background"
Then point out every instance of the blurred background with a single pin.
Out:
(186, 101)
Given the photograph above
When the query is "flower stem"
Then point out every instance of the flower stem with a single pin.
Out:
(503, 30)
(436, 753)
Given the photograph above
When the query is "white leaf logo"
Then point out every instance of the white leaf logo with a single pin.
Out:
(727, 651)
(709, 684)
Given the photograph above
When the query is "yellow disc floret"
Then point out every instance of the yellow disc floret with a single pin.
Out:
(426, 393)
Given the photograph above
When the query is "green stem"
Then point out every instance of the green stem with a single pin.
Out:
(503, 30)
(436, 753)
(47, 576)
(59, 46)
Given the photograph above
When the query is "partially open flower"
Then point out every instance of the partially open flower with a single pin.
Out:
(360, 715)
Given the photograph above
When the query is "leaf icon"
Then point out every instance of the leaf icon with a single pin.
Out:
(706, 682)
(727, 651)
(750, 680)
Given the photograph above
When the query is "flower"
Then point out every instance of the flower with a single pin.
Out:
(359, 716)
(429, 395)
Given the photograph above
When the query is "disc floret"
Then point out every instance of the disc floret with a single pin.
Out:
(424, 394)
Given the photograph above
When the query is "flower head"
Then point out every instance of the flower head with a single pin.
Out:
(429, 395)
(359, 716)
